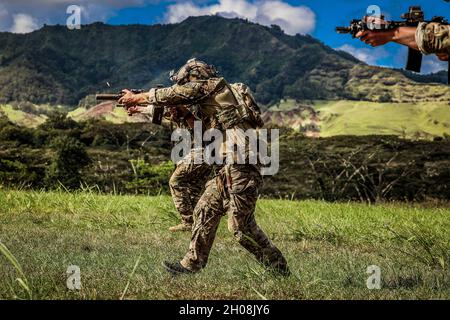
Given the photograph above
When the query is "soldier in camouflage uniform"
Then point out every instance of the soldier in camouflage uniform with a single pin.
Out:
(234, 188)
(188, 180)
(186, 186)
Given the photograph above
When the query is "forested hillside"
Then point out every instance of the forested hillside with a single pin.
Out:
(55, 65)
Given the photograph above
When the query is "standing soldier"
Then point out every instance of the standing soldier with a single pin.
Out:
(234, 188)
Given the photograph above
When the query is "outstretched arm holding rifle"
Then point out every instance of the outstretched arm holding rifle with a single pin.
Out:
(142, 103)
(133, 100)
(405, 35)
(401, 35)
(419, 35)
(135, 103)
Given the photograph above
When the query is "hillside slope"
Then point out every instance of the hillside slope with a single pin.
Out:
(22, 118)
(407, 120)
(424, 120)
(58, 66)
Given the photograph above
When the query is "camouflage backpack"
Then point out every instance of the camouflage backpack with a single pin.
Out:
(247, 108)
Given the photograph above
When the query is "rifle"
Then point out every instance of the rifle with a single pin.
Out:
(412, 18)
(115, 96)
(156, 113)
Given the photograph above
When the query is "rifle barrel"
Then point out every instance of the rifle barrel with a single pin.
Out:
(108, 97)
(343, 29)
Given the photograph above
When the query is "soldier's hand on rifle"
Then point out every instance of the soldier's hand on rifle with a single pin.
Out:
(135, 109)
(402, 35)
(130, 99)
(375, 22)
(377, 36)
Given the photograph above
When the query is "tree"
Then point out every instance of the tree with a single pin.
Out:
(71, 157)
(59, 121)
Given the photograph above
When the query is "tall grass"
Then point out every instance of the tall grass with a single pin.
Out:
(22, 279)
(130, 277)
(119, 243)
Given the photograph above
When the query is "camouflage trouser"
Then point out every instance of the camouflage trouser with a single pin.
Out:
(433, 38)
(239, 203)
(186, 186)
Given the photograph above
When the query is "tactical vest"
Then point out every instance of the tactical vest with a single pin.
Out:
(246, 111)
(244, 114)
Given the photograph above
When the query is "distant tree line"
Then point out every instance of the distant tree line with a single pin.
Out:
(362, 168)
(134, 159)
(62, 153)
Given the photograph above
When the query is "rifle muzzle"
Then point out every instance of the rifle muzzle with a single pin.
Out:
(343, 30)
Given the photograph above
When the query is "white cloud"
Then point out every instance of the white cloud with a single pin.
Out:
(23, 23)
(54, 11)
(58, 3)
(368, 55)
(431, 64)
(292, 19)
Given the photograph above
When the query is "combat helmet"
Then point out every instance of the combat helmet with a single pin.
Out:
(195, 68)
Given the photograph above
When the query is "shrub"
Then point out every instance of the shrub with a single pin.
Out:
(65, 169)
(150, 179)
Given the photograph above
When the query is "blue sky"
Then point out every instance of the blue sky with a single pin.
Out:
(316, 17)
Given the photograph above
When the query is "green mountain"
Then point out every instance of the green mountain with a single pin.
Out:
(55, 65)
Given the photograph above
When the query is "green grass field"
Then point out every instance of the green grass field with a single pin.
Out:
(119, 243)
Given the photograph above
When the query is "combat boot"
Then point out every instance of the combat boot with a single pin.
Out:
(182, 227)
(175, 268)
(280, 269)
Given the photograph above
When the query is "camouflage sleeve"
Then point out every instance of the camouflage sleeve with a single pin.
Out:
(433, 38)
(176, 95)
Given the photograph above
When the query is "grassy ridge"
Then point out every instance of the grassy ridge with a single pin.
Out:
(29, 115)
(328, 246)
(401, 119)
(345, 117)
(22, 118)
